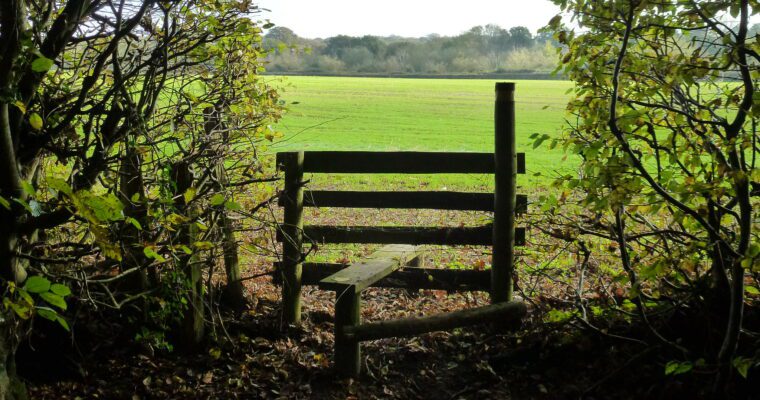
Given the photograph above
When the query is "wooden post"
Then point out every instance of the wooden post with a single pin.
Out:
(347, 351)
(504, 197)
(292, 245)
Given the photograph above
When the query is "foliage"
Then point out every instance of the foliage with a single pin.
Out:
(119, 123)
(664, 117)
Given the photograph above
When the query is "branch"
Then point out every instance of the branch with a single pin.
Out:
(620, 136)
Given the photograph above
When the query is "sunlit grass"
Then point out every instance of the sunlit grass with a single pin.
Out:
(383, 114)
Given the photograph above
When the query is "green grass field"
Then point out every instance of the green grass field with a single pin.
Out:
(384, 114)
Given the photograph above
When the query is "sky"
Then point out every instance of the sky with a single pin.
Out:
(408, 18)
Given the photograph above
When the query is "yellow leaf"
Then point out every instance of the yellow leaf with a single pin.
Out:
(190, 194)
(20, 105)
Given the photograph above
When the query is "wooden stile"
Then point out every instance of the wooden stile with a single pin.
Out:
(399, 264)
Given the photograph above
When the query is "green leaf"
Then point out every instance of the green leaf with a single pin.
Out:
(191, 96)
(752, 290)
(742, 365)
(37, 284)
(42, 64)
(28, 188)
(151, 253)
(47, 313)
(54, 300)
(5, 203)
(61, 290)
(59, 185)
(232, 206)
(203, 245)
(134, 223)
(24, 204)
(677, 367)
(35, 121)
(62, 322)
(217, 199)
(52, 315)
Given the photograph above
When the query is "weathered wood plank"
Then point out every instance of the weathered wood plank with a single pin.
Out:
(418, 200)
(406, 162)
(504, 313)
(407, 277)
(358, 276)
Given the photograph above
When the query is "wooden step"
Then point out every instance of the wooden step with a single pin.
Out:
(360, 275)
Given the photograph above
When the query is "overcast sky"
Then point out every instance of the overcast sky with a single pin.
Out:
(410, 18)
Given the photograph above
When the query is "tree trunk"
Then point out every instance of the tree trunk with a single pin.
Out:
(132, 186)
(192, 327)
(234, 291)
(11, 387)
(233, 294)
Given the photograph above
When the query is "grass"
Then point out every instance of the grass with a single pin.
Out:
(384, 114)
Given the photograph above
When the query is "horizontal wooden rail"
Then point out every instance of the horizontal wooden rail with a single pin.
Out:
(407, 278)
(454, 236)
(405, 162)
(417, 200)
(503, 313)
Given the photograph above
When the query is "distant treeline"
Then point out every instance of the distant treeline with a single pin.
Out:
(486, 49)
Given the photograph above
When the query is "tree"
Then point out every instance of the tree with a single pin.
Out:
(126, 129)
(665, 116)
(481, 49)
(521, 37)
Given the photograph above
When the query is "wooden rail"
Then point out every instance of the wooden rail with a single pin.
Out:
(506, 313)
(439, 200)
(442, 236)
(402, 162)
